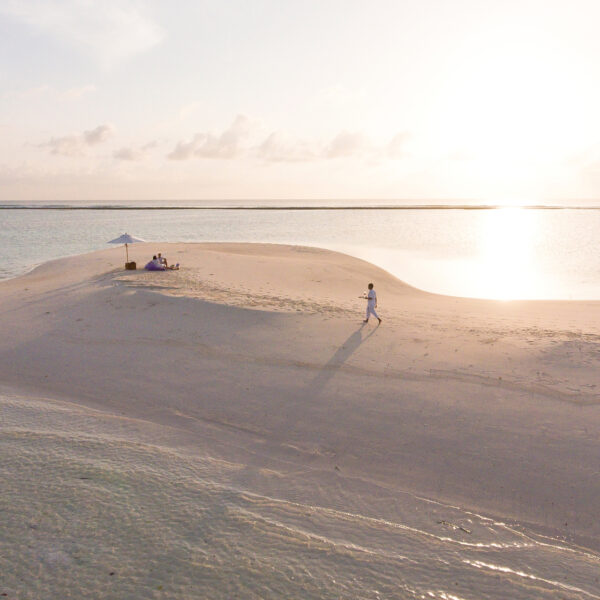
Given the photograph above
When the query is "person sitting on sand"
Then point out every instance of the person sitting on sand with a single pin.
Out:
(371, 298)
(155, 265)
(163, 261)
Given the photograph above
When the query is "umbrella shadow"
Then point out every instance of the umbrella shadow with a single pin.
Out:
(337, 361)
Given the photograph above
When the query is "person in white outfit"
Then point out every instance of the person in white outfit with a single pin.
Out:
(371, 299)
(162, 260)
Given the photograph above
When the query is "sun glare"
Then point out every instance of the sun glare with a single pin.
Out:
(505, 263)
(513, 107)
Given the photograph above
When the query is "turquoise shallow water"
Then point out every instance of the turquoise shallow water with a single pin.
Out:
(495, 253)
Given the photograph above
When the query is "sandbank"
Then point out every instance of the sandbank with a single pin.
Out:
(252, 362)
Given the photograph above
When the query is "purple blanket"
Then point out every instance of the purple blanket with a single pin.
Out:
(151, 266)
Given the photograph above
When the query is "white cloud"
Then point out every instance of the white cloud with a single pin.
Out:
(65, 146)
(183, 150)
(397, 146)
(229, 144)
(76, 145)
(111, 30)
(134, 154)
(130, 154)
(347, 144)
(278, 148)
(97, 135)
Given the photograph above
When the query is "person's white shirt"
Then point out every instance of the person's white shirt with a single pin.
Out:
(372, 298)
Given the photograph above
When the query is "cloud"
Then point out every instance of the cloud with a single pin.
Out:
(397, 146)
(111, 31)
(98, 135)
(130, 154)
(134, 154)
(347, 144)
(278, 148)
(76, 145)
(65, 146)
(183, 150)
(227, 145)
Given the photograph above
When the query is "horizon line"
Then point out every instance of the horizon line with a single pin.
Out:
(18, 205)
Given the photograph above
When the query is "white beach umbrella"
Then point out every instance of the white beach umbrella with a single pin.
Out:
(126, 239)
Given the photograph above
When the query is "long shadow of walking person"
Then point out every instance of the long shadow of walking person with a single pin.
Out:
(342, 354)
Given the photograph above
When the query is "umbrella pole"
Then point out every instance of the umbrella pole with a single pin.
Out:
(126, 253)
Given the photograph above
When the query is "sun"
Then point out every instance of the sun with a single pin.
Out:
(511, 102)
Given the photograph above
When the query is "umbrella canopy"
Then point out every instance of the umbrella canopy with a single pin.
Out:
(126, 239)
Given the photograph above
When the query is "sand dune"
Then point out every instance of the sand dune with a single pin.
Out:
(241, 411)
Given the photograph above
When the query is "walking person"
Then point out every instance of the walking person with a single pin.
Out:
(371, 299)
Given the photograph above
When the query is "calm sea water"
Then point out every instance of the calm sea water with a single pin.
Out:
(496, 253)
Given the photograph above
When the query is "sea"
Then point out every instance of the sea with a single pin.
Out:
(472, 251)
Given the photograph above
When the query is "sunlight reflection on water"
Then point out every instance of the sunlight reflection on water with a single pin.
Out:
(506, 263)
(504, 254)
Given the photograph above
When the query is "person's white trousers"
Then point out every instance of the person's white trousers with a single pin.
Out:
(371, 311)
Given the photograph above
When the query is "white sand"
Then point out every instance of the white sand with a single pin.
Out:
(233, 427)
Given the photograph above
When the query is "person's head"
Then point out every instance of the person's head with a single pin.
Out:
(154, 257)
(370, 286)
(159, 255)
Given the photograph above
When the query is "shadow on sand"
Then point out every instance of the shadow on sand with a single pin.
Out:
(342, 354)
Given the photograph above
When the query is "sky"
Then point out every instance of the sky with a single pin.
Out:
(413, 101)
